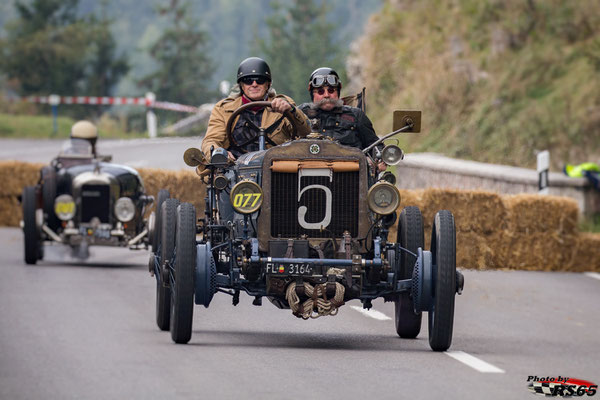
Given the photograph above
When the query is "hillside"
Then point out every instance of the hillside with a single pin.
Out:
(496, 80)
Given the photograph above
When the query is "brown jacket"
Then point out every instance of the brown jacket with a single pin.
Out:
(216, 136)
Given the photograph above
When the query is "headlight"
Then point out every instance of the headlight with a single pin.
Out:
(383, 198)
(392, 154)
(64, 207)
(124, 209)
(246, 197)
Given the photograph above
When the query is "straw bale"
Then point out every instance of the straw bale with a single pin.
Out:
(475, 251)
(15, 175)
(183, 185)
(474, 211)
(10, 211)
(536, 250)
(538, 213)
(587, 256)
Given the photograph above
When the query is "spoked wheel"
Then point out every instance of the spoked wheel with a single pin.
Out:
(411, 237)
(443, 252)
(32, 235)
(182, 282)
(163, 194)
(168, 215)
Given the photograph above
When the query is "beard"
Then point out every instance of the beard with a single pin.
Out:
(335, 102)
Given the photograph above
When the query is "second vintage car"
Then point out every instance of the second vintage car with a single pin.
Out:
(82, 200)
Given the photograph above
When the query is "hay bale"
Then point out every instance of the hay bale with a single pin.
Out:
(587, 255)
(474, 211)
(475, 251)
(183, 185)
(535, 250)
(11, 212)
(529, 213)
(15, 175)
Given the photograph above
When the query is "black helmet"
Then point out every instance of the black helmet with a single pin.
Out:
(254, 66)
(324, 76)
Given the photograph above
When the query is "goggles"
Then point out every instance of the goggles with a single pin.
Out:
(320, 80)
(247, 80)
(330, 90)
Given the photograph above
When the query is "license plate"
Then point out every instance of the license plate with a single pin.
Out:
(289, 268)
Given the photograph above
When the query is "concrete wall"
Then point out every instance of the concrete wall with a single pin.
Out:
(425, 170)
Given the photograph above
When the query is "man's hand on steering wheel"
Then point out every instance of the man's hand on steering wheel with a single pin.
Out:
(280, 105)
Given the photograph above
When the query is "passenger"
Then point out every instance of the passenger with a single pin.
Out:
(254, 84)
(329, 116)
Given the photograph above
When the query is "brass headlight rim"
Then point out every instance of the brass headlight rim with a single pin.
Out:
(376, 209)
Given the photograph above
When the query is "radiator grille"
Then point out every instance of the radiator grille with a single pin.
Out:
(285, 205)
(95, 202)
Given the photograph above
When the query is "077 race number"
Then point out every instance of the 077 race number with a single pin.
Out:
(246, 199)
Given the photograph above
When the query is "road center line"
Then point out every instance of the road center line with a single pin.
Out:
(474, 362)
(592, 275)
(371, 313)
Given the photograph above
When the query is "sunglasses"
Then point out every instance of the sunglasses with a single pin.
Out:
(260, 80)
(320, 80)
(330, 90)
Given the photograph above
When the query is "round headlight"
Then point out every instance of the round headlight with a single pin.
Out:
(383, 198)
(392, 154)
(246, 197)
(124, 209)
(64, 207)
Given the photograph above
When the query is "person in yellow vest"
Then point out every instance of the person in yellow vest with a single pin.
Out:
(589, 170)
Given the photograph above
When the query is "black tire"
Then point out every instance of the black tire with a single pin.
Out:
(32, 237)
(411, 237)
(182, 287)
(163, 292)
(443, 255)
(163, 194)
(49, 195)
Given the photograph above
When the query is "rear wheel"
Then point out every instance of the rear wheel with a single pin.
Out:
(163, 194)
(182, 284)
(32, 237)
(163, 291)
(411, 237)
(443, 253)
(49, 195)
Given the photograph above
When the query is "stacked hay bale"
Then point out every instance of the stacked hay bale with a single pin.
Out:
(15, 175)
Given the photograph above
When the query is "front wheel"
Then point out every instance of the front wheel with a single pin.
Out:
(443, 253)
(32, 245)
(182, 281)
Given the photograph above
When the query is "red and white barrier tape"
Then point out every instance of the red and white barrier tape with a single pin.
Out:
(115, 101)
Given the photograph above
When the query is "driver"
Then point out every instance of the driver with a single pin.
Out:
(87, 131)
(254, 84)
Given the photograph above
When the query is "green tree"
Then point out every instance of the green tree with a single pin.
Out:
(49, 49)
(300, 40)
(181, 54)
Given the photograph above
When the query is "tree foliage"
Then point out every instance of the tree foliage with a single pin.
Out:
(50, 49)
(181, 55)
(300, 40)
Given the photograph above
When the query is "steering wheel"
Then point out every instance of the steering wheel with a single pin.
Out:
(267, 131)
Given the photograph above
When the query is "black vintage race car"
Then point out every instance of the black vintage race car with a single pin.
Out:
(308, 231)
(83, 200)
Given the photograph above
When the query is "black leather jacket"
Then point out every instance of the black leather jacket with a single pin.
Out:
(348, 125)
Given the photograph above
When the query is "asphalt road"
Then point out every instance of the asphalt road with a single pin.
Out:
(86, 330)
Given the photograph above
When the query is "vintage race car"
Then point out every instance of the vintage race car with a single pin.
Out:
(83, 200)
(308, 230)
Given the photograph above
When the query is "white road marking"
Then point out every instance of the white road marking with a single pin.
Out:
(592, 275)
(371, 313)
(474, 362)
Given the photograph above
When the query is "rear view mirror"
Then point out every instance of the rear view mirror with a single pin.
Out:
(403, 118)
(193, 157)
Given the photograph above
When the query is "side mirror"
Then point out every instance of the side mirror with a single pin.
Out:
(404, 118)
(193, 157)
